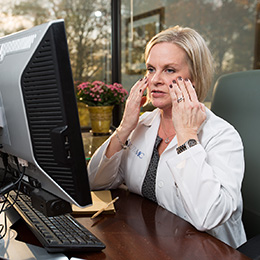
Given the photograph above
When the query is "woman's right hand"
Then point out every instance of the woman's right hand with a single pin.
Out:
(130, 117)
(134, 102)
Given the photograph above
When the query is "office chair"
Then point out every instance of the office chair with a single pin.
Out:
(236, 98)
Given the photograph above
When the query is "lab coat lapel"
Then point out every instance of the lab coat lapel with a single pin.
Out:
(152, 122)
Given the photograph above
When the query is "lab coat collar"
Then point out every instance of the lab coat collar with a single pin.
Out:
(154, 118)
(148, 119)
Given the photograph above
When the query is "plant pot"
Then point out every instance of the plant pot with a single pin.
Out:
(100, 119)
(83, 115)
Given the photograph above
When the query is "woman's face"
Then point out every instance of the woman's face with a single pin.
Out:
(165, 62)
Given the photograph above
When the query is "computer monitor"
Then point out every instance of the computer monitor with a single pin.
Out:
(39, 121)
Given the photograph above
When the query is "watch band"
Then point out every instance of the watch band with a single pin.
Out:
(186, 145)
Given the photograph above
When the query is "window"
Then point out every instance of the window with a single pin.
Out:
(231, 38)
(88, 28)
(227, 25)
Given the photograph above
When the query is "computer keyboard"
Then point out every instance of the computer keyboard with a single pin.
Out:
(57, 234)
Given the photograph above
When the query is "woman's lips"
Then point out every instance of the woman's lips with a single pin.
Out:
(157, 93)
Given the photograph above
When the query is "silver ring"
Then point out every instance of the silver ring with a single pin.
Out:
(180, 99)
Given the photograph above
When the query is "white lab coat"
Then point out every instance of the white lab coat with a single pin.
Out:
(201, 185)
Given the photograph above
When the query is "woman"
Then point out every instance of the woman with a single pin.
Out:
(197, 168)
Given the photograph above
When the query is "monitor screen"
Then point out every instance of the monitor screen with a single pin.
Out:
(39, 121)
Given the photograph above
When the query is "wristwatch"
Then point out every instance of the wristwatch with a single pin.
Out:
(186, 145)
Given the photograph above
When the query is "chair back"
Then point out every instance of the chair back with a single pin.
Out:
(236, 98)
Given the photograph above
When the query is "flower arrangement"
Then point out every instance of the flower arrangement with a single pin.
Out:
(98, 93)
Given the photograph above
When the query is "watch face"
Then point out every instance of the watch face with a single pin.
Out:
(192, 142)
(186, 145)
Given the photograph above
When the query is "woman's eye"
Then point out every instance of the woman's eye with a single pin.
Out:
(170, 70)
(150, 70)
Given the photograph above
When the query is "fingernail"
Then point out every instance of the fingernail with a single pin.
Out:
(140, 90)
(170, 85)
(180, 78)
(193, 86)
(141, 79)
(145, 82)
(186, 79)
(174, 81)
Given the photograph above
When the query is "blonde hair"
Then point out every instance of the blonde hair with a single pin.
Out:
(199, 58)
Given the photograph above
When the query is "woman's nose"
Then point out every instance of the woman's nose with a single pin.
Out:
(156, 78)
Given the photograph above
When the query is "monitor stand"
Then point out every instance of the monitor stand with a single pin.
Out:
(10, 248)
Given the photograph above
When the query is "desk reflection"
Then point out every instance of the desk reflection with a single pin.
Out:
(173, 237)
(92, 142)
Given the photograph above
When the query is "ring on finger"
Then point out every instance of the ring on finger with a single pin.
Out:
(180, 99)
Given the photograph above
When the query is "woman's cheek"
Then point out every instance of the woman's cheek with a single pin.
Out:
(148, 92)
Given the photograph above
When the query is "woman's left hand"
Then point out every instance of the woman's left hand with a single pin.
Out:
(188, 113)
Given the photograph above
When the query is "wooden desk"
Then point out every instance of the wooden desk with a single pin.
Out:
(141, 229)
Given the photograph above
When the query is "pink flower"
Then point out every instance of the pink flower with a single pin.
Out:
(98, 93)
